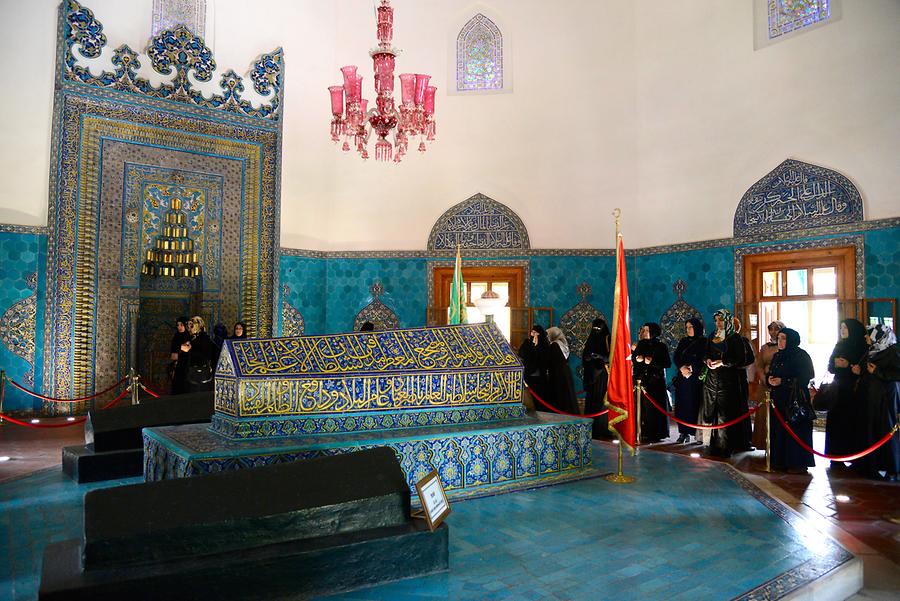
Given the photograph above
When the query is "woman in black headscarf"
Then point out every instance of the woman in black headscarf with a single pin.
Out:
(593, 361)
(843, 428)
(689, 357)
(725, 386)
(179, 368)
(240, 331)
(788, 379)
(650, 359)
(559, 375)
(881, 375)
(535, 351)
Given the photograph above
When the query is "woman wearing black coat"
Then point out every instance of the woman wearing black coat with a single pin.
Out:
(199, 354)
(844, 426)
(593, 361)
(881, 375)
(559, 376)
(788, 379)
(725, 386)
(689, 356)
(535, 354)
(179, 366)
(650, 359)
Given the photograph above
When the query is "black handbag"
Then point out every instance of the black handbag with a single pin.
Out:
(200, 375)
(799, 408)
(826, 397)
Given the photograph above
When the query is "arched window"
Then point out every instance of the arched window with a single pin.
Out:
(787, 16)
(479, 56)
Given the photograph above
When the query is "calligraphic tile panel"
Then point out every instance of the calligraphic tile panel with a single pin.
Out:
(479, 223)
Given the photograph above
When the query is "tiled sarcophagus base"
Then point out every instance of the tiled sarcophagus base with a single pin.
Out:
(468, 457)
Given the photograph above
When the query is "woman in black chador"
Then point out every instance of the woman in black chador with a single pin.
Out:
(593, 360)
(843, 429)
(724, 386)
(535, 353)
(179, 367)
(788, 379)
(881, 374)
(650, 358)
(689, 357)
(198, 353)
(559, 376)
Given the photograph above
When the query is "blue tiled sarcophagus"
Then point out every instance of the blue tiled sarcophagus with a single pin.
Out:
(445, 398)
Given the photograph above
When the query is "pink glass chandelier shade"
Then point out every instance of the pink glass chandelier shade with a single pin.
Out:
(354, 122)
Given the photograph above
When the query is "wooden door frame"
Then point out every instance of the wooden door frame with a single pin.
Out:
(443, 276)
(843, 258)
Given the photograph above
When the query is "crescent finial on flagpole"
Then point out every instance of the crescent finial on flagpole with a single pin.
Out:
(617, 213)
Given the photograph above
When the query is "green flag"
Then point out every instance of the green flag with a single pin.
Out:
(457, 294)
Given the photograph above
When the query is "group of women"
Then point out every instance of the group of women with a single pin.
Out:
(711, 387)
(194, 354)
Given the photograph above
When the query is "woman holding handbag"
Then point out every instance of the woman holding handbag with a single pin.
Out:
(788, 379)
(198, 354)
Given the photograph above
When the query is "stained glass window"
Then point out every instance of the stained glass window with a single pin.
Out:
(479, 56)
(786, 16)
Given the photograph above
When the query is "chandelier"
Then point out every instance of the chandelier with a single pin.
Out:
(354, 123)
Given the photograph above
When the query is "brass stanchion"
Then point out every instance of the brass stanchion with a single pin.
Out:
(637, 415)
(2, 392)
(135, 387)
(619, 477)
(766, 402)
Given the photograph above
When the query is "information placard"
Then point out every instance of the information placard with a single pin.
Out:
(435, 506)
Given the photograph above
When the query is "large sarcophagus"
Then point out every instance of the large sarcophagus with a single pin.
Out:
(366, 381)
(445, 398)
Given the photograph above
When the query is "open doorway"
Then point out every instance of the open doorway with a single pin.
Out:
(807, 290)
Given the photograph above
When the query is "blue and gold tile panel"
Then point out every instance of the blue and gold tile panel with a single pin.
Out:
(225, 424)
(467, 457)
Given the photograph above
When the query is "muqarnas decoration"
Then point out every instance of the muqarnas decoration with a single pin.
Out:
(576, 322)
(376, 312)
(672, 321)
(177, 51)
(797, 195)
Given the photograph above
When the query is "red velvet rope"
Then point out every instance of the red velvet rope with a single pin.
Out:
(853, 457)
(54, 400)
(698, 426)
(150, 392)
(555, 410)
(74, 422)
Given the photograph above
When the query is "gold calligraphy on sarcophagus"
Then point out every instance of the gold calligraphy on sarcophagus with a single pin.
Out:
(335, 395)
(477, 346)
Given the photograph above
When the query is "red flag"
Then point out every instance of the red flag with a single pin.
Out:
(620, 391)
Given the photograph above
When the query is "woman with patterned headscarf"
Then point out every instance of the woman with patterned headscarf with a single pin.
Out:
(843, 426)
(788, 378)
(881, 377)
(650, 359)
(689, 357)
(762, 363)
(724, 392)
(559, 377)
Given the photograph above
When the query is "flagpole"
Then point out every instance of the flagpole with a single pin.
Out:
(619, 477)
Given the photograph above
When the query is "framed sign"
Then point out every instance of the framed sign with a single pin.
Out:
(435, 506)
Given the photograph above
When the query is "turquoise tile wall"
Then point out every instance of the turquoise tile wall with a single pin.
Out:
(708, 273)
(883, 263)
(554, 279)
(349, 280)
(21, 256)
(304, 279)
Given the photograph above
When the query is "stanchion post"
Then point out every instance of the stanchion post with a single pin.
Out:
(637, 414)
(766, 402)
(619, 477)
(135, 387)
(2, 392)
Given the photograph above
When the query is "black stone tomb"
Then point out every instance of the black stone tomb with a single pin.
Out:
(283, 531)
(113, 446)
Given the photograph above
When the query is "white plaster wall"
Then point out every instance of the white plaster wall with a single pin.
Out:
(715, 115)
(664, 109)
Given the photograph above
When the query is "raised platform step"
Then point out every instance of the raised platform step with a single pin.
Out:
(82, 464)
(466, 456)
